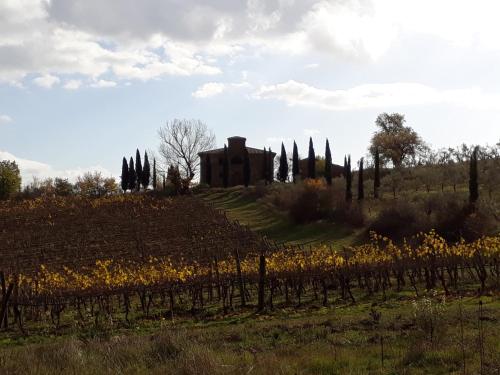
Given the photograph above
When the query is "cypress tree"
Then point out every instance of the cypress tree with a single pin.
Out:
(225, 168)
(311, 160)
(164, 182)
(208, 170)
(246, 168)
(283, 170)
(295, 162)
(132, 176)
(264, 166)
(473, 178)
(348, 179)
(146, 172)
(124, 175)
(155, 182)
(376, 181)
(138, 169)
(361, 187)
(328, 164)
(270, 170)
(174, 176)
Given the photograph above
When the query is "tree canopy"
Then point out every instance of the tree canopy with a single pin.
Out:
(295, 162)
(328, 163)
(283, 168)
(138, 168)
(92, 184)
(124, 175)
(146, 172)
(395, 142)
(132, 176)
(10, 179)
(311, 160)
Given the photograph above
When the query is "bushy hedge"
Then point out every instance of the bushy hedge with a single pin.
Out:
(450, 215)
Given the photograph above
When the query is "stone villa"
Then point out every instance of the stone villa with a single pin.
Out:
(236, 149)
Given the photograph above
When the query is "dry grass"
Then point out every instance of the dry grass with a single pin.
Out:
(163, 353)
(313, 340)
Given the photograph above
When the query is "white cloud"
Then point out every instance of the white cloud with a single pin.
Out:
(33, 41)
(209, 90)
(46, 81)
(460, 22)
(355, 28)
(72, 84)
(31, 168)
(4, 119)
(123, 41)
(376, 96)
(102, 83)
(212, 89)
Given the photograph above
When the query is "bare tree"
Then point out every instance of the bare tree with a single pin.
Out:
(180, 143)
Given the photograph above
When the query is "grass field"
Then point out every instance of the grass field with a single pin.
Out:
(400, 335)
(276, 225)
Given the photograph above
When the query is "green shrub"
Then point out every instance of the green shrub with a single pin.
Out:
(313, 201)
(306, 208)
(283, 196)
(453, 218)
(399, 220)
(479, 223)
(348, 213)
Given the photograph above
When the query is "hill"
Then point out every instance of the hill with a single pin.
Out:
(310, 212)
(145, 284)
(76, 231)
(269, 221)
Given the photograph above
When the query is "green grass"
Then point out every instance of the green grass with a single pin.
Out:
(339, 339)
(264, 217)
(276, 225)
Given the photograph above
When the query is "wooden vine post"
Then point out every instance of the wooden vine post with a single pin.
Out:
(6, 293)
(240, 277)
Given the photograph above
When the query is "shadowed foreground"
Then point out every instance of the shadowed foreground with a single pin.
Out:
(429, 335)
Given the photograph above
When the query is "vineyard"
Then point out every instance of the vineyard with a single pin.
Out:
(96, 257)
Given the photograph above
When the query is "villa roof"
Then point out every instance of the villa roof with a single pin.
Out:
(251, 150)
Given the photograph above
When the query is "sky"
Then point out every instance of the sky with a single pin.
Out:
(85, 82)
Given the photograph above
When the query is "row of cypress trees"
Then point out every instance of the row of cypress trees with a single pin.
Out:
(283, 170)
(267, 168)
(311, 160)
(135, 175)
(361, 180)
(268, 165)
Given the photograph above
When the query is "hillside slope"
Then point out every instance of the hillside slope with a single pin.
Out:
(276, 225)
